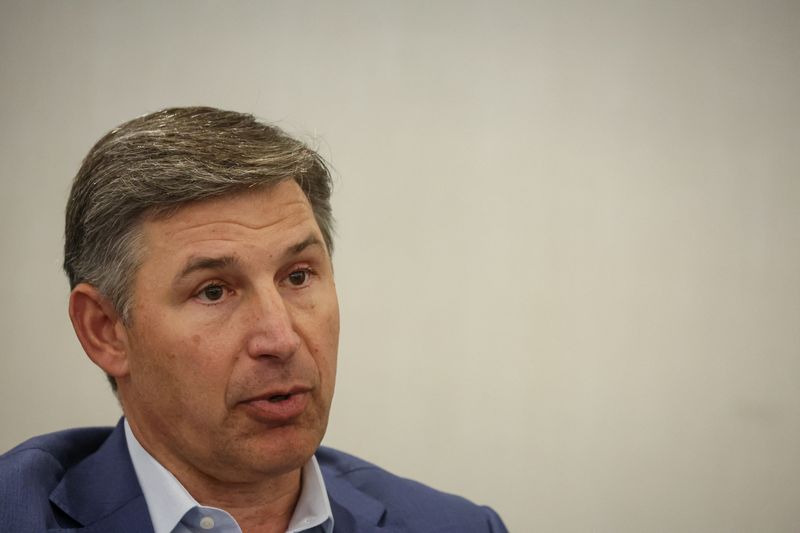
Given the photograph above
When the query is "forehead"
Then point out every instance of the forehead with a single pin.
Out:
(261, 208)
(259, 224)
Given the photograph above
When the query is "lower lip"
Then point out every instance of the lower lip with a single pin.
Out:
(278, 412)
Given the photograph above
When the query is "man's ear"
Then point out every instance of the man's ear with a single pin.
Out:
(100, 329)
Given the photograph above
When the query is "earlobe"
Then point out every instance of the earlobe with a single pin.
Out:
(99, 329)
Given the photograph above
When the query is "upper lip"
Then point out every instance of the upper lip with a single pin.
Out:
(278, 391)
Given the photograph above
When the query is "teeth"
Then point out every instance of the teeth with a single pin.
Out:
(279, 398)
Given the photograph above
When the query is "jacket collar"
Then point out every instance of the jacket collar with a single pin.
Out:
(353, 511)
(102, 493)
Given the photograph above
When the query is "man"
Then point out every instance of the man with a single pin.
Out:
(198, 247)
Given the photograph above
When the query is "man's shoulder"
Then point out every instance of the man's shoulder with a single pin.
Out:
(406, 501)
(373, 479)
(60, 449)
(39, 463)
(31, 471)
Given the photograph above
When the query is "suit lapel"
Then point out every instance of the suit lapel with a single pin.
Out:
(353, 510)
(102, 492)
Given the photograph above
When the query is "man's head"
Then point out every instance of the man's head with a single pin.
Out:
(198, 249)
(154, 164)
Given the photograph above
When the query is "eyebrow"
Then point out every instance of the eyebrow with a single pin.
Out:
(207, 263)
(311, 240)
(228, 261)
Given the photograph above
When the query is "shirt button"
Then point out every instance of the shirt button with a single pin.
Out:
(206, 522)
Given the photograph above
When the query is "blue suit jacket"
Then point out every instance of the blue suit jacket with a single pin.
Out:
(82, 480)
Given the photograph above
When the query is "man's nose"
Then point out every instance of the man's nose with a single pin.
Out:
(272, 333)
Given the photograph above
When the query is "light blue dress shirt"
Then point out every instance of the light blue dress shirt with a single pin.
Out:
(173, 510)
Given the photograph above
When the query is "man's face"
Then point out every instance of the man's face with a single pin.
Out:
(234, 333)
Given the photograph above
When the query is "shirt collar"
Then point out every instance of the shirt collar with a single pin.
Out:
(168, 501)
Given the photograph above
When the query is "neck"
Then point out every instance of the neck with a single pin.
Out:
(263, 508)
(260, 504)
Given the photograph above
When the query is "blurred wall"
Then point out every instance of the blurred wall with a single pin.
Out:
(568, 244)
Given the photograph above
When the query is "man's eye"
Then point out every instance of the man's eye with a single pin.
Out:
(211, 293)
(298, 278)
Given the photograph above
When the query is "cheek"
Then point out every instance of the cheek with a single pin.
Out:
(318, 325)
(169, 357)
(326, 349)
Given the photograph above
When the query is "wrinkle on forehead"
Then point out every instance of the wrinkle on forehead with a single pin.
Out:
(279, 212)
(253, 209)
(294, 212)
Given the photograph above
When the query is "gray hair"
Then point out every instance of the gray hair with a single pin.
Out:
(154, 164)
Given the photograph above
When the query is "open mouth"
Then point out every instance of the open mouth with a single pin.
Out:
(279, 398)
(278, 408)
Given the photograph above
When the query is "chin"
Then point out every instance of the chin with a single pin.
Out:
(284, 451)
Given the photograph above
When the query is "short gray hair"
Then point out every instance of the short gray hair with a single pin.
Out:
(154, 164)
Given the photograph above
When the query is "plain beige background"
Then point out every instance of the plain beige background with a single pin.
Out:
(569, 234)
